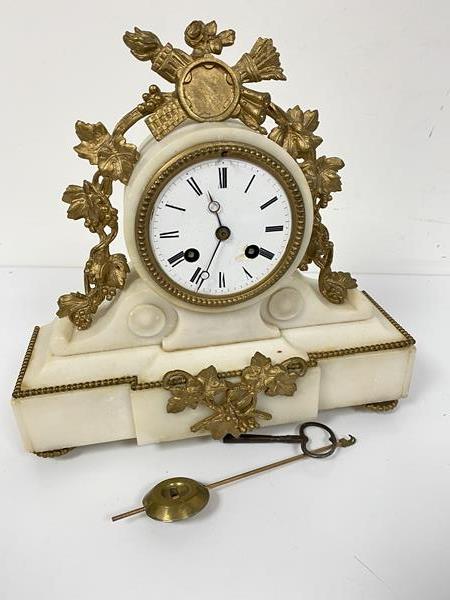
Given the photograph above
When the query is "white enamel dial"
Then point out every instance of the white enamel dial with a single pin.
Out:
(220, 226)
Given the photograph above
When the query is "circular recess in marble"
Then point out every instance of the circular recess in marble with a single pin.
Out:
(285, 304)
(146, 320)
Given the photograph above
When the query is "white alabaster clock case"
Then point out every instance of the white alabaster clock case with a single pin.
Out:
(214, 328)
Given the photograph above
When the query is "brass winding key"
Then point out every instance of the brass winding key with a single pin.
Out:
(180, 498)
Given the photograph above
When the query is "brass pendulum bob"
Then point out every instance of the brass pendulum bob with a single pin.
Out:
(175, 499)
(180, 498)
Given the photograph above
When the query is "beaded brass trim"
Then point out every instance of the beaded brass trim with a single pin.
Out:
(53, 453)
(69, 387)
(380, 407)
(408, 341)
(136, 385)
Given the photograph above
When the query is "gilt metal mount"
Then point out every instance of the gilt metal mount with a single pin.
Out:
(206, 89)
(233, 405)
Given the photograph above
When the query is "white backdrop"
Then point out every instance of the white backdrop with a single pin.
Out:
(377, 71)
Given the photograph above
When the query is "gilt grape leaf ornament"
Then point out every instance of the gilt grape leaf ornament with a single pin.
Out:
(92, 139)
(296, 134)
(295, 130)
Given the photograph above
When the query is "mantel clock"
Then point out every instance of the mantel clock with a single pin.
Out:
(213, 327)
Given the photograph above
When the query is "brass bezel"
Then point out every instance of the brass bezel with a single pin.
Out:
(193, 156)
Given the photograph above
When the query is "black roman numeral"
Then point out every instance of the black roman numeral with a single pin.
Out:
(266, 253)
(221, 279)
(196, 276)
(176, 259)
(249, 275)
(176, 207)
(274, 228)
(268, 203)
(249, 184)
(194, 185)
(169, 234)
(223, 177)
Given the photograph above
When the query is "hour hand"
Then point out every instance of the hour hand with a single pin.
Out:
(214, 207)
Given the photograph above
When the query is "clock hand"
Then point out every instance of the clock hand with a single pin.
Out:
(206, 271)
(222, 233)
(214, 207)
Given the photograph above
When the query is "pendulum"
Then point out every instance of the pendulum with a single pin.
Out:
(179, 498)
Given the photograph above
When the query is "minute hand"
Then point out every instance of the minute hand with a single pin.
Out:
(209, 264)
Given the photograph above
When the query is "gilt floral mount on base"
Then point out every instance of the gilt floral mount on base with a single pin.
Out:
(214, 93)
(233, 404)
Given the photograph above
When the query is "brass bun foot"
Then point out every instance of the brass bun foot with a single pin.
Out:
(53, 453)
(381, 406)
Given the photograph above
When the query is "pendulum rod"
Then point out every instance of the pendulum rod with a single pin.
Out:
(343, 442)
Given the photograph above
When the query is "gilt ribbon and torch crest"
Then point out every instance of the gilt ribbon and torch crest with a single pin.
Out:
(206, 89)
